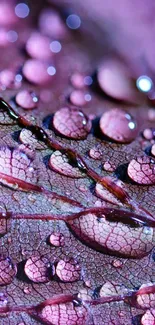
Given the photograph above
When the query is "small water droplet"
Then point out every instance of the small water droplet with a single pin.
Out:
(76, 124)
(148, 134)
(142, 170)
(38, 46)
(79, 98)
(8, 270)
(109, 167)
(51, 24)
(35, 71)
(27, 99)
(68, 270)
(118, 126)
(96, 153)
(8, 80)
(117, 263)
(57, 239)
(27, 290)
(38, 269)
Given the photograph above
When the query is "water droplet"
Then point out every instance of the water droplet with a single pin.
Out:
(142, 170)
(144, 83)
(28, 138)
(7, 15)
(60, 163)
(38, 46)
(51, 24)
(109, 167)
(115, 81)
(57, 239)
(8, 80)
(117, 263)
(77, 80)
(148, 134)
(73, 21)
(104, 194)
(14, 168)
(8, 270)
(27, 290)
(72, 123)
(68, 270)
(38, 269)
(55, 46)
(27, 99)
(22, 10)
(96, 152)
(146, 300)
(151, 114)
(148, 318)
(118, 126)
(78, 98)
(3, 300)
(35, 71)
(153, 150)
(111, 289)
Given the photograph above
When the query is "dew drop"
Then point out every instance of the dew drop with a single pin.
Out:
(28, 138)
(77, 80)
(146, 300)
(153, 150)
(57, 239)
(68, 270)
(151, 114)
(38, 46)
(104, 194)
(109, 167)
(61, 164)
(35, 71)
(117, 263)
(148, 318)
(72, 123)
(118, 125)
(3, 300)
(111, 289)
(27, 290)
(8, 80)
(148, 134)
(38, 269)
(115, 81)
(77, 98)
(95, 153)
(27, 99)
(8, 270)
(51, 24)
(142, 170)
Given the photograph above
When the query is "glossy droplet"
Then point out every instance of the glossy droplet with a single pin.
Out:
(118, 125)
(117, 263)
(113, 237)
(38, 46)
(77, 80)
(68, 270)
(72, 123)
(28, 138)
(79, 98)
(60, 163)
(35, 71)
(148, 134)
(115, 81)
(96, 153)
(146, 299)
(8, 270)
(3, 300)
(111, 289)
(57, 239)
(61, 313)
(7, 14)
(142, 170)
(16, 166)
(38, 269)
(27, 99)
(148, 318)
(109, 167)
(104, 194)
(153, 150)
(52, 25)
(8, 80)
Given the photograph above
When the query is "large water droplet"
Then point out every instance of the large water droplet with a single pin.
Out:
(28, 138)
(8, 270)
(142, 170)
(38, 269)
(60, 163)
(145, 297)
(15, 167)
(27, 99)
(57, 239)
(35, 71)
(118, 125)
(51, 24)
(68, 270)
(38, 46)
(72, 123)
(148, 318)
(104, 194)
(8, 80)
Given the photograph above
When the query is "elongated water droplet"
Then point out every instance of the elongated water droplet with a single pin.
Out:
(118, 125)
(28, 138)
(72, 123)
